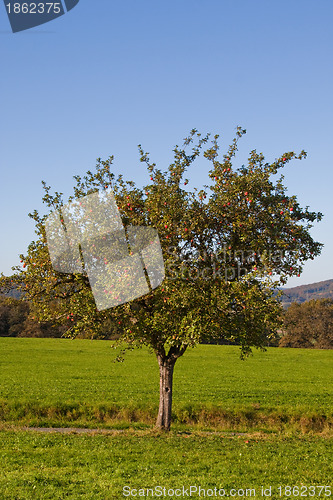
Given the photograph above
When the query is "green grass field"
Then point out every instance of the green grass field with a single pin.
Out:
(58, 382)
(35, 466)
(238, 426)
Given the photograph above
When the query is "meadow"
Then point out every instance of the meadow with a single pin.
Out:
(54, 466)
(239, 426)
(59, 382)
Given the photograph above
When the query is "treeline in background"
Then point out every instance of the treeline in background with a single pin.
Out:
(305, 325)
(17, 320)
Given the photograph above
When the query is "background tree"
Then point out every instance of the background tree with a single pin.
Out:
(15, 321)
(221, 245)
(309, 325)
(13, 314)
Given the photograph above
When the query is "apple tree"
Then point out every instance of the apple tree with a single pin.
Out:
(225, 247)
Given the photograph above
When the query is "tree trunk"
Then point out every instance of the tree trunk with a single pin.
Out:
(166, 375)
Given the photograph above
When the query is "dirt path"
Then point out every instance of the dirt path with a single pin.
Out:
(82, 430)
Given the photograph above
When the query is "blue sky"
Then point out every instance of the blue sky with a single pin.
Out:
(110, 75)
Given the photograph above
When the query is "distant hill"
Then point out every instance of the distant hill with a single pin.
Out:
(303, 293)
